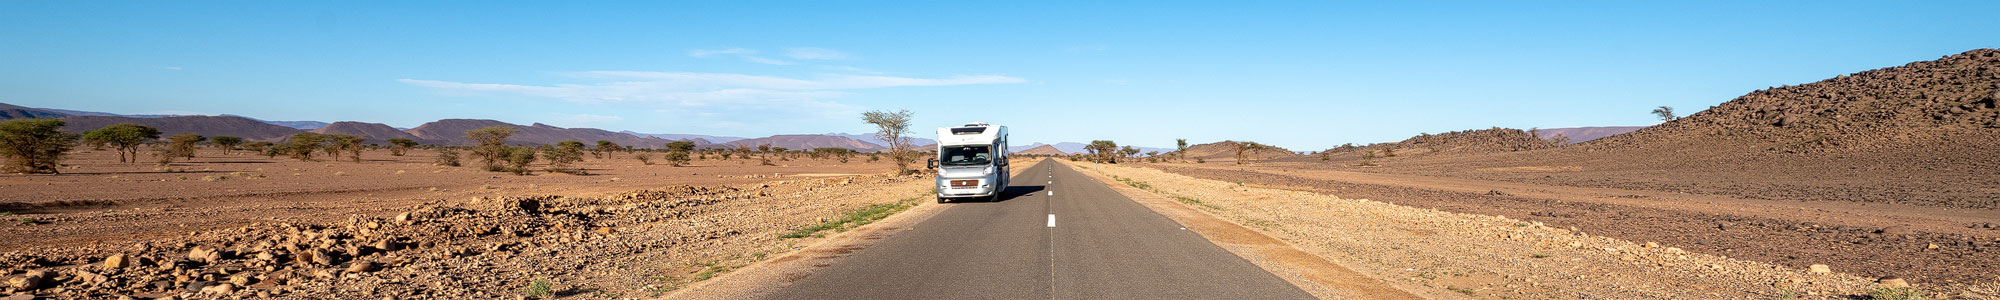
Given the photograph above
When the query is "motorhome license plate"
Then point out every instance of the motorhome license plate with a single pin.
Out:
(963, 184)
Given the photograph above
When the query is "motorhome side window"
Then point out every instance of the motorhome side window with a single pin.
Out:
(966, 155)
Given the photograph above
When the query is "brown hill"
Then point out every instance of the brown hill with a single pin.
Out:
(204, 125)
(1584, 134)
(1921, 133)
(803, 141)
(1919, 101)
(452, 132)
(1226, 151)
(9, 112)
(375, 133)
(1042, 150)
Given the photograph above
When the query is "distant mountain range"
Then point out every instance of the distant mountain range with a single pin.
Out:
(447, 131)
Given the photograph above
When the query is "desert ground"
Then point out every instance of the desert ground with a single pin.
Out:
(241, 225)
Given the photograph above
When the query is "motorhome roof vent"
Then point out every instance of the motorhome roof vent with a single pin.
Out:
(977, 124)
(967, 130)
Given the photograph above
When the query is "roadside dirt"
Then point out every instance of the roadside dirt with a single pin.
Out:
(1324, 279)
(631, 230)
(1924, 245)
(1484, 256)
(99, 199)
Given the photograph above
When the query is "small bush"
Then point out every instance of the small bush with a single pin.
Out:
(644, 158)
(517, 159)
(538, 288)
(1896, 293)
(447, 157)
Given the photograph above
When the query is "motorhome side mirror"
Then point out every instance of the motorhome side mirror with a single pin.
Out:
(932, 164)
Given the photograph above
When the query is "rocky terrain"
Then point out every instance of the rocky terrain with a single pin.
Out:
(1467, 141)
(1226, 151)
(1583, 134)
(632, 244)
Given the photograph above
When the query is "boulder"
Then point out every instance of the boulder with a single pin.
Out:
(33, 280)
(204, 254)
(117, 261)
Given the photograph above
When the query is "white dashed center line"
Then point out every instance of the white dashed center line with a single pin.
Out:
(1052, 220)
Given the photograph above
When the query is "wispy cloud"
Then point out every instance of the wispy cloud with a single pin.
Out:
(814, 53)
(168, 68)
(739, 53)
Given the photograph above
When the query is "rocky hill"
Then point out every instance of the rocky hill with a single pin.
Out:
(374, 133)
(1584, 134)
(1226, 151)
(204, 125)
(1489, 140)
(803, 141)
(1897, 106)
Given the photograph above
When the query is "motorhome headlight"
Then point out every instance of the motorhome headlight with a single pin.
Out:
(988, 171)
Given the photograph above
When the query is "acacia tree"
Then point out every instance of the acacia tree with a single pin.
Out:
(226, 143)
(126, 137)
(892, 127)
(1247, 151)
(562, 155)
(492, 145)
(399, 145)
(517, 159)
(35, 145)
(182, 145)
(1103, 150)
(604, 147)
(346, 143)
(1128, 151)
(300, 146)
(679, 154)
(1665, 113)
(1181, 152)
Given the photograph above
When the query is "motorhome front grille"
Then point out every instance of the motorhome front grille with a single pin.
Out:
(964, 183)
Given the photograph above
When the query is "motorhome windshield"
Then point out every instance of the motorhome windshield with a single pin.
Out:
(965, 155)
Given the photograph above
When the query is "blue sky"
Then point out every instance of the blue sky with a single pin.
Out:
(1305, 75)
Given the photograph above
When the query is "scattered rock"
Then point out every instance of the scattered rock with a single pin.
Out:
(223, 288)
(362, 267)
(1893, 281)
(1820, 269)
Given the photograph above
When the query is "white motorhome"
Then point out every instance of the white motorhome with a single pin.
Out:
(971, 162)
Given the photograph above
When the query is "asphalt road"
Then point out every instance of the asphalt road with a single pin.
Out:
(1057, 234)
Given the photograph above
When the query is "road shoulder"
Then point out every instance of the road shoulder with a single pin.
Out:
(1316, 275)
